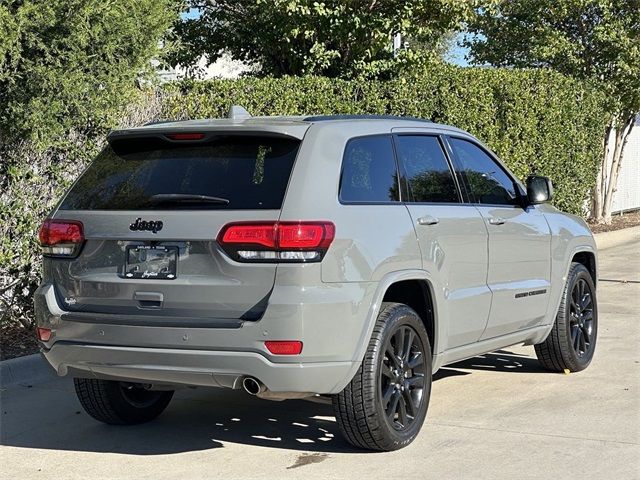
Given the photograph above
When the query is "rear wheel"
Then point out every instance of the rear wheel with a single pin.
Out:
(572, 341)
(120, 403)
(385, 404)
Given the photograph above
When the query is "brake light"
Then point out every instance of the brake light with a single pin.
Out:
(277, 241)
(185, 136)
(287, 347)
(61, 238)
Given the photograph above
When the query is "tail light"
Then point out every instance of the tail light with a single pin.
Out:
(61, 238)
(277, 241)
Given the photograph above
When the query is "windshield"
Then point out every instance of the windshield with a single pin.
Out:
(228, 172)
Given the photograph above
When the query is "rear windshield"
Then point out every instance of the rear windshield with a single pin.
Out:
(227, 172)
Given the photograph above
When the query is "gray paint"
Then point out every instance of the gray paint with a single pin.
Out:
(473, 268)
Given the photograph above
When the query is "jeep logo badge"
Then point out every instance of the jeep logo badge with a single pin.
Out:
(146, 226)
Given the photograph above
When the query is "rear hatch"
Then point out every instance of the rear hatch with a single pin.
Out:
(151, 206)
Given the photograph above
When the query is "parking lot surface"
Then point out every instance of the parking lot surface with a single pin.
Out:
(495, 416)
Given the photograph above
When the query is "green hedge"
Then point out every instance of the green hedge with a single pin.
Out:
(536, 120)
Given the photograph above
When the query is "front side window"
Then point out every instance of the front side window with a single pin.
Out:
(369, 173)
(488, 182)
(425, 165)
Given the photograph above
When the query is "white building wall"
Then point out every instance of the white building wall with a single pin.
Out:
(224, 67)
(627, 194)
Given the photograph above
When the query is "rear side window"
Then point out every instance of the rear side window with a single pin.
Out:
(369, 173)
(488, 182)
(425, 165)
(242, 172)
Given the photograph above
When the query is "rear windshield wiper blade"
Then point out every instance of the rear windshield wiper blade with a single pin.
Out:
(187, 198)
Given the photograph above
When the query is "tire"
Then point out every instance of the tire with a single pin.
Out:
(572, 341)
(360, 409)
(120, 403)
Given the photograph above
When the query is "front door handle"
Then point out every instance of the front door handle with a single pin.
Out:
(428, 220)
(497, 221)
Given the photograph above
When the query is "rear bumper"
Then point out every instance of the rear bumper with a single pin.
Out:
(193, 367)
(326, 319)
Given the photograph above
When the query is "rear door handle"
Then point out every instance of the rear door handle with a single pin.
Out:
(497, 221)
(428, 220)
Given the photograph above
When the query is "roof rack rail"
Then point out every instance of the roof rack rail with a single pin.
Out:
(324, 118)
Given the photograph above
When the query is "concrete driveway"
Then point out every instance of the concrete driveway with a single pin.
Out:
(496, 416)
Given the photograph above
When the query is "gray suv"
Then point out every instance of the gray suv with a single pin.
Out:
(348, 257)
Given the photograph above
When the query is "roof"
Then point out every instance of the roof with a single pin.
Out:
(293, 125)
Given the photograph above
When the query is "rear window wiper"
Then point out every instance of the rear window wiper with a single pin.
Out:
(186, 198)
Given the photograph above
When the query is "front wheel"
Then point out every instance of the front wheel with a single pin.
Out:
(572, 341)
(120, 403)
(385, 404)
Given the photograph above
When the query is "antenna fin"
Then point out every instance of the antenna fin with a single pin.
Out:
(236, 112)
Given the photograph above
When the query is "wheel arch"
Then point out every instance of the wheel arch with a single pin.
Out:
(416, 293)
(391, 278)
(588, 259)
(416, 279)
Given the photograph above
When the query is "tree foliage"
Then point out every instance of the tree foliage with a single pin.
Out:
(70, 65)
(307, 37)
(596, 40)
(68, 70)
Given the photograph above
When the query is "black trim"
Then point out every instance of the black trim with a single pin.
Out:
(149, 321)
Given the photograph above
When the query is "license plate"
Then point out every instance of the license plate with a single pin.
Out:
(154, 262)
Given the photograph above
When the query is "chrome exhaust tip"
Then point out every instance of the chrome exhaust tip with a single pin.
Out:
(253, 386)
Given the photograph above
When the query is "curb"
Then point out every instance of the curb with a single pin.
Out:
(614, 238)
(31, 369)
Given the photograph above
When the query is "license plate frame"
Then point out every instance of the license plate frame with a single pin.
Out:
(151, 262)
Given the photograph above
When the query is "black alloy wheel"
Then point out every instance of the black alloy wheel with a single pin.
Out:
(402, 377)
(581, 321)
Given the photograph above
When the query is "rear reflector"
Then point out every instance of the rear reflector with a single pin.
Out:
(288, 347)
(277, 241)
(44, 334)
(61, 238)
(185, 136)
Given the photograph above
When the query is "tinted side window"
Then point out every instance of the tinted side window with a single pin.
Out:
(427, 170)
(488, 182)
(369, 171)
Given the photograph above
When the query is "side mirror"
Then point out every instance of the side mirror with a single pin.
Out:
(539, 189)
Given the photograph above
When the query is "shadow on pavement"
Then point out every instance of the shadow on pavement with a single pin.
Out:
(501, 361)
(195, 420)
(202, 419)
